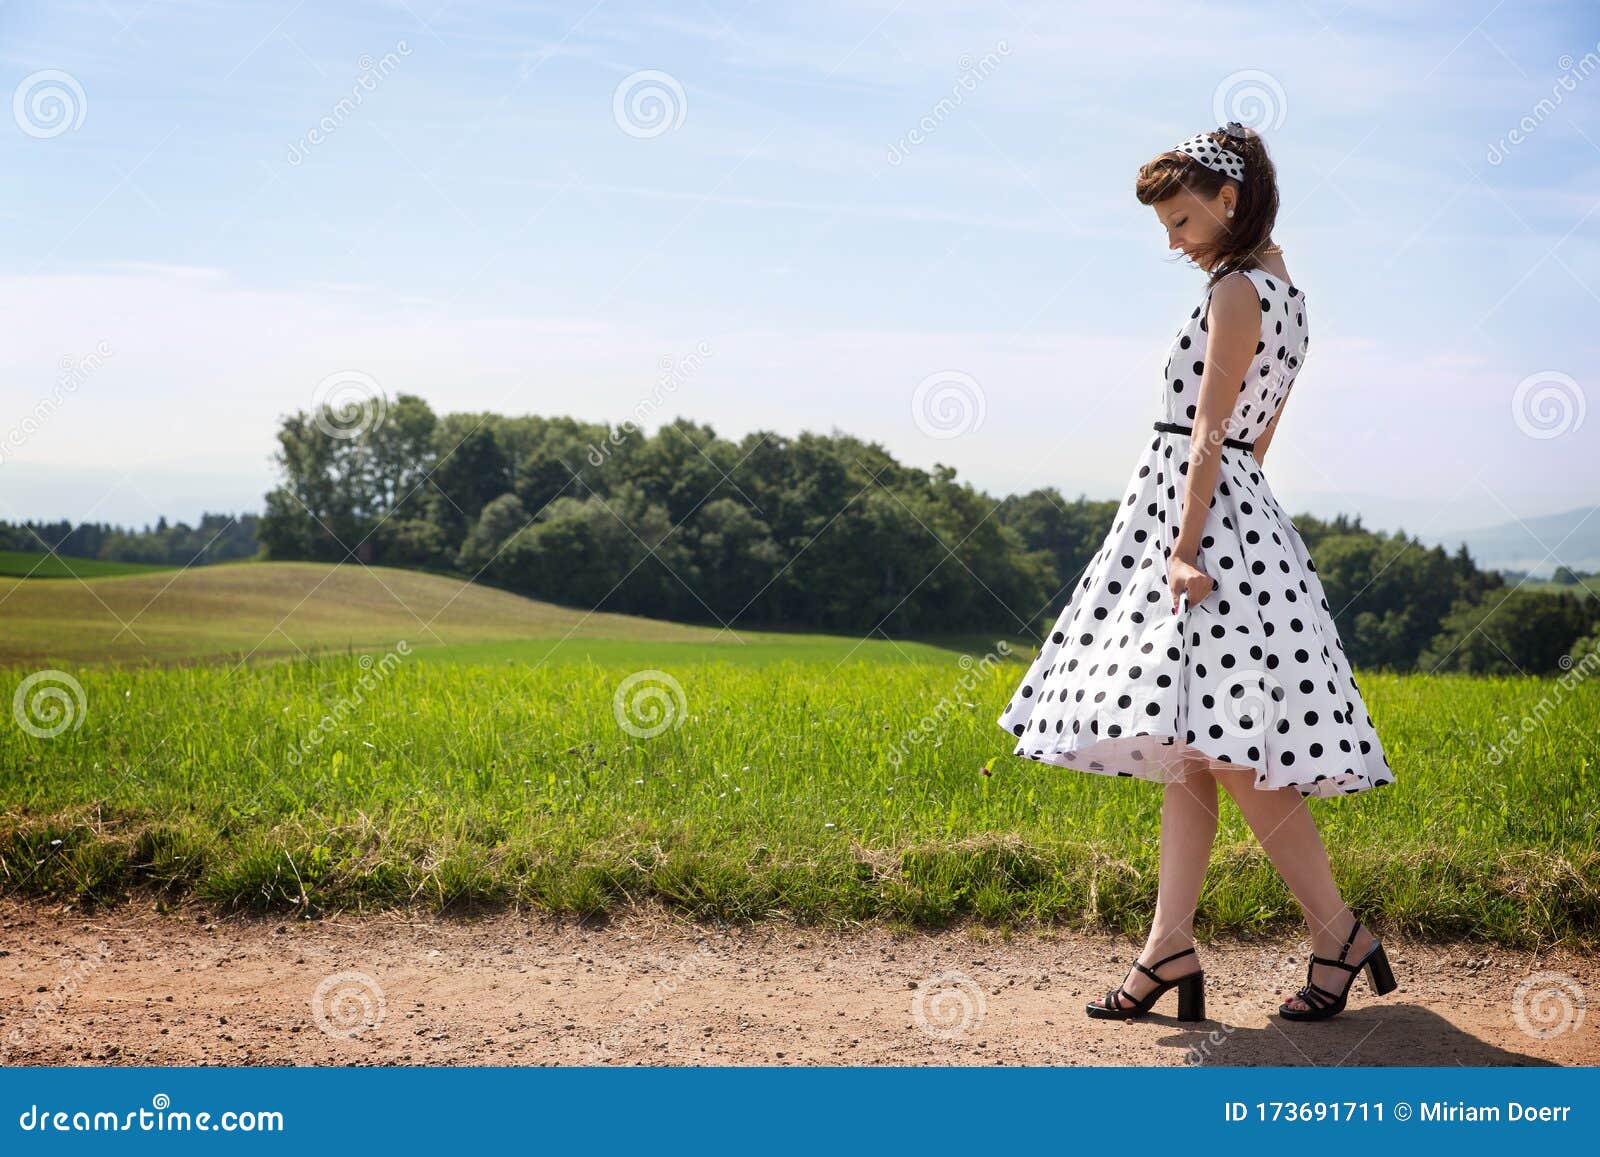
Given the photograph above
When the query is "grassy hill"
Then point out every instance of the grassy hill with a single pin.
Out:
(266, 610)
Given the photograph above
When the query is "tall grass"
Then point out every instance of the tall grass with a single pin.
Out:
(787, 788)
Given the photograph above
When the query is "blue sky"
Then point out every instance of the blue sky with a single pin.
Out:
(495, 226)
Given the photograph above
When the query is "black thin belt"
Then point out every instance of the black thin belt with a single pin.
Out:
(1174, 428)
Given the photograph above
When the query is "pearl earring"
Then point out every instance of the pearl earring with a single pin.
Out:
(1230, 212)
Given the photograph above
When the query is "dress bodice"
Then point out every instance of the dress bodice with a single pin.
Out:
(1280, 353)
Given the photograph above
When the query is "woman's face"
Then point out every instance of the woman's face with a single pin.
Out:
(1193, 222)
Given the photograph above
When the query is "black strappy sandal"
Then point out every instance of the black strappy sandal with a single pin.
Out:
(1191, 994)
(1320, 1003)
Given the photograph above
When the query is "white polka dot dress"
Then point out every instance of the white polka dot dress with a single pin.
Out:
(1254, 676)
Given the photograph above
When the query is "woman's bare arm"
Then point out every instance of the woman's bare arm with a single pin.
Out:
(1234, 328)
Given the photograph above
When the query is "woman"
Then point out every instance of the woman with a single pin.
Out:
(1244, 682)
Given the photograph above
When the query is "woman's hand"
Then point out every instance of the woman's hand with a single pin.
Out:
(1185, 576)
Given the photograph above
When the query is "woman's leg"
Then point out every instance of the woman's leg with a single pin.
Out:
(1288, 834)
(1188, 829)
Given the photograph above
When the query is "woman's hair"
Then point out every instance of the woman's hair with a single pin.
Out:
(1247, 230)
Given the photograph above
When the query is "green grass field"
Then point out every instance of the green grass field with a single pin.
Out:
(795, 775)
(38, 564)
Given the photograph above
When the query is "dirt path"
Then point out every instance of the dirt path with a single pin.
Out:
(131, 986)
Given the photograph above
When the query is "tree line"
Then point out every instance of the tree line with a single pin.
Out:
(815, 531)
(217, 538)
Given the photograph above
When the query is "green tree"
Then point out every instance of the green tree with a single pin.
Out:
(500, 519)
(1520, 631)
(470, 471)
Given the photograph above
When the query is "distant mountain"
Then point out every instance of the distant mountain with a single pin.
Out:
(1535, 545)
(1571, 537)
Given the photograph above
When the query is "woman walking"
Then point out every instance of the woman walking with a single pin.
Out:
(1199, 649)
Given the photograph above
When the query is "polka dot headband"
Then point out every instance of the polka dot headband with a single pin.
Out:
(1212, 155)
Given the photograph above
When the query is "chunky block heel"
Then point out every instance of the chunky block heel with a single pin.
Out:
(1192, 997)
(1320, 1003)
(1120, 1004)
(1379, 972)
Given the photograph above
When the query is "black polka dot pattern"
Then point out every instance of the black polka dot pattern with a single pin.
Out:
(1255, 675)
(1212, 155)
